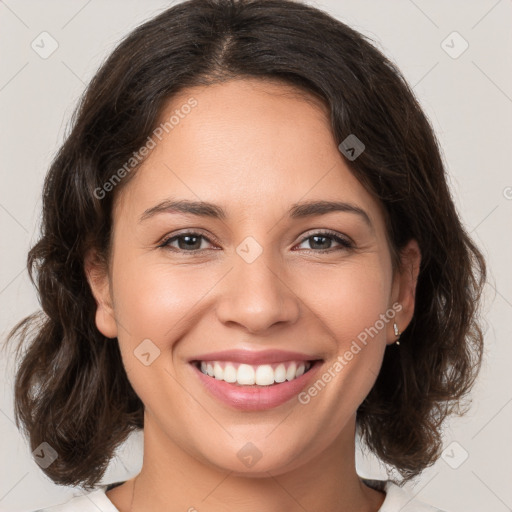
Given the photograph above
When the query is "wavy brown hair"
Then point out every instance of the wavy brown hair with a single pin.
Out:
(71, 389)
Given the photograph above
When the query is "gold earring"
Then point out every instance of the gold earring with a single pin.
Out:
(397, 333)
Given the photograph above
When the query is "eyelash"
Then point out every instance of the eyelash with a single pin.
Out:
(345, 243)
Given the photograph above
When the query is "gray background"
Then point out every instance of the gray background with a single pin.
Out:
(469, 101)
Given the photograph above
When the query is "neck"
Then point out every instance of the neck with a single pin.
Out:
(171, 476)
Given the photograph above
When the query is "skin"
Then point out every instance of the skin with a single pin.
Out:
(254, 148)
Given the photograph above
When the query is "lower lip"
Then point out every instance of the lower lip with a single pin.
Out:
(248, 398)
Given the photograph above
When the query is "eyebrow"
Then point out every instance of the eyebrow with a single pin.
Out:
(297, 210)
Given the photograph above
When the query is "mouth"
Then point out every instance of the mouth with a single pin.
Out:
(250, 375)
(248, 387)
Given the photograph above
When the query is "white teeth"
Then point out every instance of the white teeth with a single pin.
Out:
(218, 372)
(291, 371)
(249, 375)
(245, 375)
(264, 375)
(230, 373)
(280, 373)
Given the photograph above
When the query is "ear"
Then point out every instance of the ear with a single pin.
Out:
(99, 282)
(404, 288)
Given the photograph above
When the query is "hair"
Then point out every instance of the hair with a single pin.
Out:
(71, 389)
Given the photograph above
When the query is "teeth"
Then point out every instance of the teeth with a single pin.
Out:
(218, 371)
(280, 373)
(245, 375)
(249, 375)
(230, 373)
(291, 371)
(264, 375)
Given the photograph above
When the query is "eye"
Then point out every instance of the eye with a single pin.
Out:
(322, 239)
(191, 242)
(187, 242)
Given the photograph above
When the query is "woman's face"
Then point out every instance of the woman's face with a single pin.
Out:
(264, 277)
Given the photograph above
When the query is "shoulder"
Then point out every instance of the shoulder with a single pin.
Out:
(88, 502)
(398, 499)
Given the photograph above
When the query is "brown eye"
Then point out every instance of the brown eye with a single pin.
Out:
(187, 242)
(191, 242)
(322, 242)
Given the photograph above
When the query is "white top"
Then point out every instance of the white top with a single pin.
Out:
(397, 500)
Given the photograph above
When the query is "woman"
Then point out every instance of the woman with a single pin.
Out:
(249, 251)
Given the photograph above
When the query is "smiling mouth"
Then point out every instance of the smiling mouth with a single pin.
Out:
(249, 375)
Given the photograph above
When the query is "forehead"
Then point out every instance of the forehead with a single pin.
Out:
(246, 144)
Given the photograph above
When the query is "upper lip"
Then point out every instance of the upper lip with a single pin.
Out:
(254, 357)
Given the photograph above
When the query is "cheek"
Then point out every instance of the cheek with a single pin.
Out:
(349, 299)
(350, 306)
(157, 301)
(347, 302)
(160, 303)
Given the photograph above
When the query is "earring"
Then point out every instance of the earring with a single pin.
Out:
(397, 333)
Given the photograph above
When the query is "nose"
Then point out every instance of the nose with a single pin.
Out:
(257, 296)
